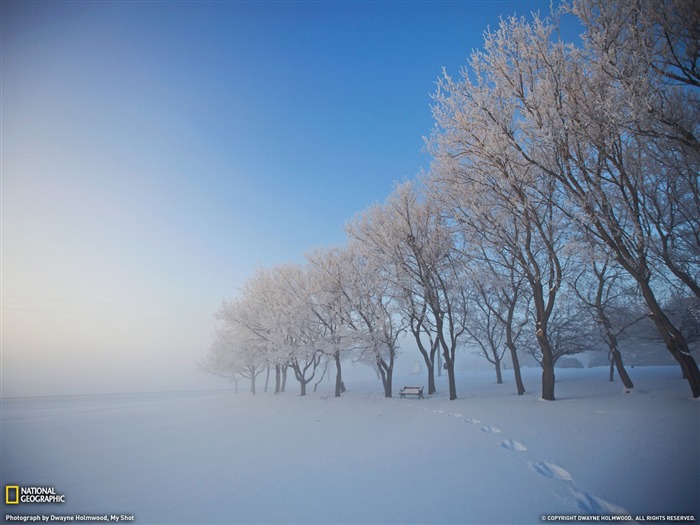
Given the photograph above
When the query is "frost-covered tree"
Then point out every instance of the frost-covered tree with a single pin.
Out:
(486, 332)
(606, 292)
(273, 314)
(412, 241)
(391, 233)
(235, 350)
(501, 204)
(602, 123)
(221, 358)
(371, 313)
(296, 332)
(501, 296)
(647, 55)
(632, 165)
(328, 302)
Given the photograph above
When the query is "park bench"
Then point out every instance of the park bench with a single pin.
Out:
(411, 391)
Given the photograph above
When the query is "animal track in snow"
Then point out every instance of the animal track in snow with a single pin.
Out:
(439, 411)
(473, 421)
(551, 470)
(456, 415)
(515, 446)
(491, 430)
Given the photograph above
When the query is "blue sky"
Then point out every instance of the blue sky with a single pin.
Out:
(154, 153)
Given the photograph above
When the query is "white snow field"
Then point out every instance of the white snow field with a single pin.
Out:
(488, 457)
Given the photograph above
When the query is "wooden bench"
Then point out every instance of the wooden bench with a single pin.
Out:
(411, 391)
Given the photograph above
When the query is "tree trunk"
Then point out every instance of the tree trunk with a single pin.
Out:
(450, 366)
(252, 383)
(285, 368)
(388, 387)
(325, 370)
(548, 381)
(267, 378)
(386, 375)
(278, 379)
(611, 338)
(624, 377)
(516, 369)
(499, 377)
(547, 366)
(451, 379)
(431, 379)
(339, 386)
(673, 339)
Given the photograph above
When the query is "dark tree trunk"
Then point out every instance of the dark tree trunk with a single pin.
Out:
(547, 381)
(611, 338)
(516, 369)
(450, 367)
(385, 373)
(285, 368)
(673, 339)
(431, 379)
(339, 386)
(510, 343)
(388, 387)
(547, 366)
(499, 377)
(624, 377)
(434, 353)
(451, 379)
(267, 378)
(448, 353)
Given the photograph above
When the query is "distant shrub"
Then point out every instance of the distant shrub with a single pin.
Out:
(569, 362)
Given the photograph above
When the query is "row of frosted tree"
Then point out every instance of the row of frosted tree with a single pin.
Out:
(564, 188)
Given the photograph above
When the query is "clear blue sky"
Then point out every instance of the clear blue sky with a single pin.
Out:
(153, 153)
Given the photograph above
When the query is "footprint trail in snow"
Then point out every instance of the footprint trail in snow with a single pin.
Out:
(587, 502)
(551, 470)
(511, 444)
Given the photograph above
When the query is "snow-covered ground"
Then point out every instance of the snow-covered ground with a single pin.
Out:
(488, 457)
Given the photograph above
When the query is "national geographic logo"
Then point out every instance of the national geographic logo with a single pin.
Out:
(14, 495)
(11, 494)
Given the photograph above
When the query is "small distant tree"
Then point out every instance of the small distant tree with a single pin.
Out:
(296, 329)
(328, 302)
(235, 352)
(372, 314)
(601, 287)
(485, 329)
(220, 360)
(500, 295)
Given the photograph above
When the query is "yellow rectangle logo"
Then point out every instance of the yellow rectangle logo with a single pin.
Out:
(8, 499)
